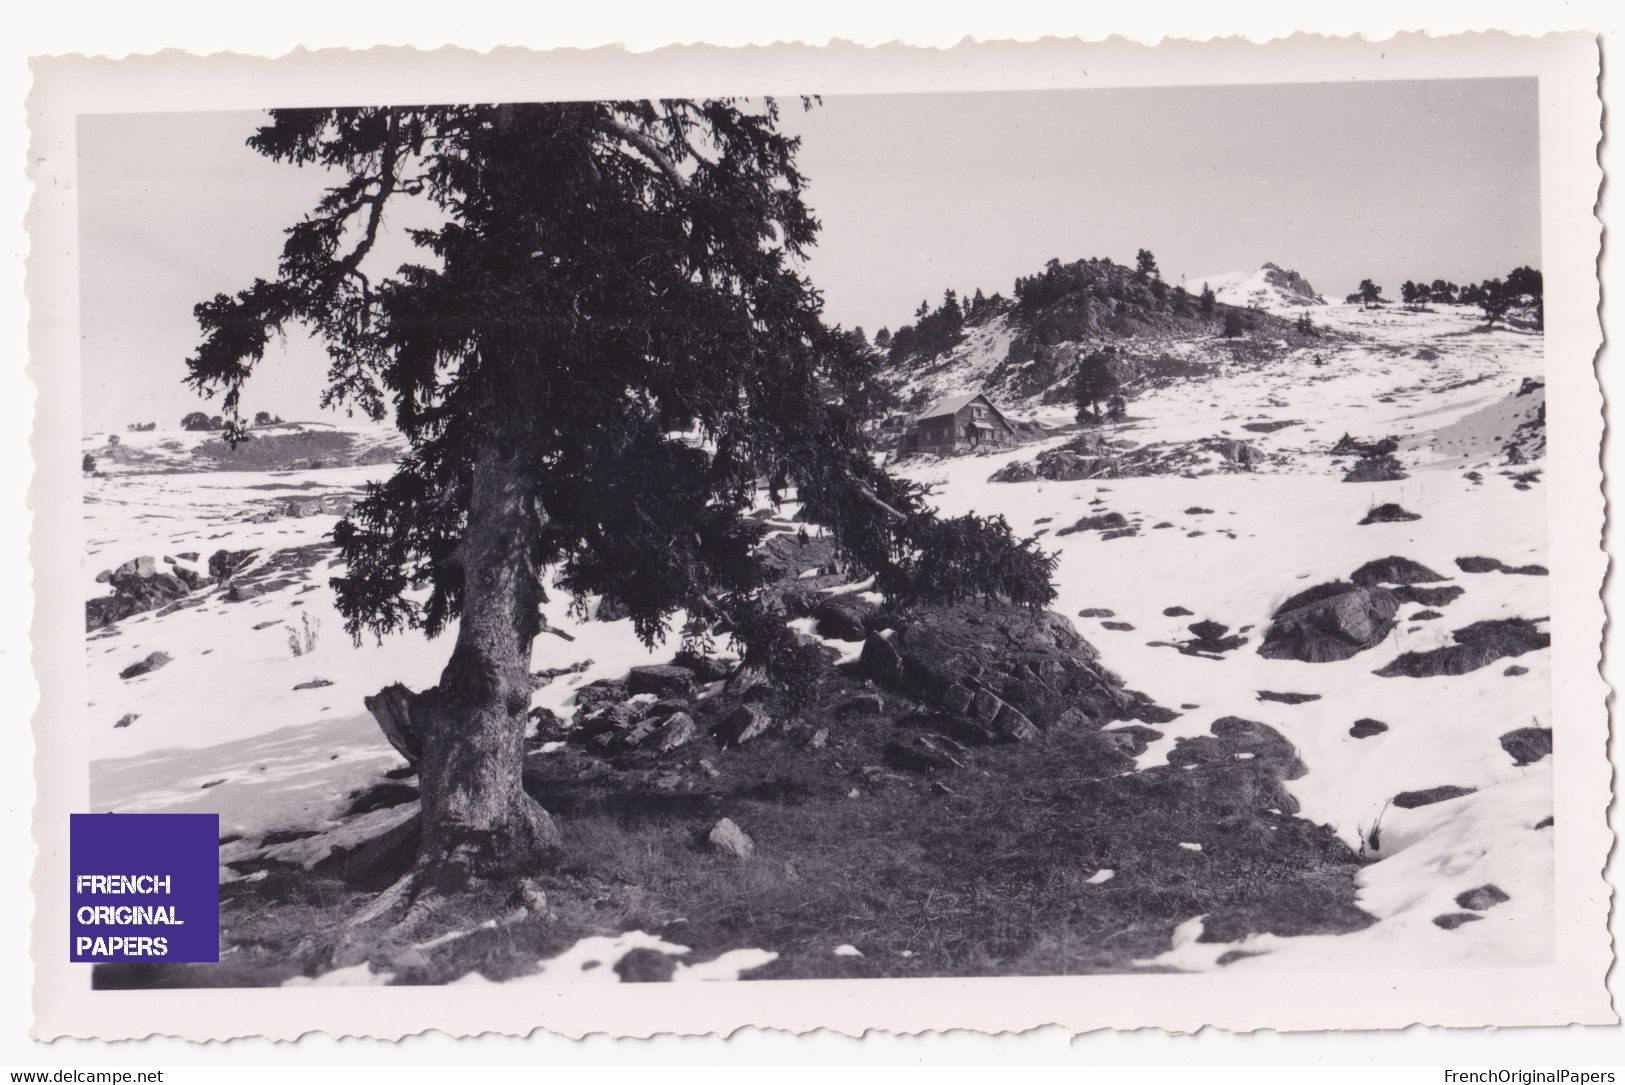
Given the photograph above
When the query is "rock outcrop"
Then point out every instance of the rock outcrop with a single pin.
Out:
(1008, 670)
(1477, 645)
(152, 662)
(139, 585)
(1291, 285)
(729, 839)
(1411, 800)
(1393, 570)
(1527, 745)
(1389, 513)
(1329, 622)
(1495, 565)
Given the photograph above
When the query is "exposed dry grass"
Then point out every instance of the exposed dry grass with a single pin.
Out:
(986, 874)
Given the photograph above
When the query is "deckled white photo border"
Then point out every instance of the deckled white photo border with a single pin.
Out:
(1569, 990)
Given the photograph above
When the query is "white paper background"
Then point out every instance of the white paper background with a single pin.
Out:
(217, 27)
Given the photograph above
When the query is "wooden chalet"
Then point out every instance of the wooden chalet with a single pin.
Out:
(965, 423)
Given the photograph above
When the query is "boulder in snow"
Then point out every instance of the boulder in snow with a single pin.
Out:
(1329, 622)
(1393, 570)
(1005, 667)
(1367, 727)
(1441, 596)
(1389, 513)
(1477, 645)
(1410, 800)
(226, 563)
(140, 584)
(644, 965)
(1527, 745)
(1494, 565)
(1455, 919)
(146, 666)
(1482, 898)
(1105, 521)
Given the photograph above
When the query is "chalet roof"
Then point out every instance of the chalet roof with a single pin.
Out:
(953, 405)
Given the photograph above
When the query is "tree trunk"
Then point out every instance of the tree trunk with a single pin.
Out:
(477, 821)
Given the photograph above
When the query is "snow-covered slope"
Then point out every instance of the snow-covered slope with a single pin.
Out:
(277, 741)
(1271, 288)
(1231, 547)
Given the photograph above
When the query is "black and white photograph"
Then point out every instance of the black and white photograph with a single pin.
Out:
(998, 533)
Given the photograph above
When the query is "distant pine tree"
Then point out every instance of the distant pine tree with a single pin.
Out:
(1145, 265)
(1494, 299)
(1527, 282)
(1208, 300)
(1093, 383)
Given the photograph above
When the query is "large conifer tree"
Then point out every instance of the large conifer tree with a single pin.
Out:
(601, 275)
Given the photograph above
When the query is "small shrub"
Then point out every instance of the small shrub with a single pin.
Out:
(302, 641)
(1371, 842)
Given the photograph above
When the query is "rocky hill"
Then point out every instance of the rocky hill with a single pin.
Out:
(1024, 350)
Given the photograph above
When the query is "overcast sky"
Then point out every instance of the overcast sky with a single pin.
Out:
(916, 193)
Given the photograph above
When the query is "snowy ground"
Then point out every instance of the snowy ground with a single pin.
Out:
(1269, 535)
(222, 728)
